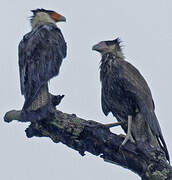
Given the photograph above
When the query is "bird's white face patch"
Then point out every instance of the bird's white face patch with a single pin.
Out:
(41, 18)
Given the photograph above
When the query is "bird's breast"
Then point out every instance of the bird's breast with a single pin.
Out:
(115, 95)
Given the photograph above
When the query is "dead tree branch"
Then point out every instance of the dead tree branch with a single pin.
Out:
(87, 135)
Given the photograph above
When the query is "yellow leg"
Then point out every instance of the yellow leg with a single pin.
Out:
(128, 136)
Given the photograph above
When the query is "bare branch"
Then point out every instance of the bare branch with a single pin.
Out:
(82, 135)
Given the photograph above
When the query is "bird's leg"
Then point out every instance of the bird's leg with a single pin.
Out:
(128, 136)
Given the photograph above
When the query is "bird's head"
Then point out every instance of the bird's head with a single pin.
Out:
(45, 16)
(111, 46)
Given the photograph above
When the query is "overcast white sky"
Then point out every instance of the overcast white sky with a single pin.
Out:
(146, 31)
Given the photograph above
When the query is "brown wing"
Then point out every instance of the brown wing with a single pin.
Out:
(136, 83)
(138, 87)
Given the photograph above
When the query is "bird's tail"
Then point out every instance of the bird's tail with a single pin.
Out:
(41, 99)
(164, 147)
(152, 121)
(156, 130)
(37, 107)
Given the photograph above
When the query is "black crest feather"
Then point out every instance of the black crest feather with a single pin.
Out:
(116, 42)
(41, 10)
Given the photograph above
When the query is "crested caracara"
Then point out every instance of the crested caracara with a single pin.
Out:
(41, 52)
(125, 92)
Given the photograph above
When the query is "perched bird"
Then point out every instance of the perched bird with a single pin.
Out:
(41, 52)
(125, 92)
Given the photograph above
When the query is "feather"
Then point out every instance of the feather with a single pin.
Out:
(41, 52)
(124, 91)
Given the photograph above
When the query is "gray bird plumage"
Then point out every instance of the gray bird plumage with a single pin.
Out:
(41, 52)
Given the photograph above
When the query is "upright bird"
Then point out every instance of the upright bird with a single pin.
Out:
(41, 52)
(125, 92)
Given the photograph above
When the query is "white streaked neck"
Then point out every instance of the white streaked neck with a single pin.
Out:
(40, 19)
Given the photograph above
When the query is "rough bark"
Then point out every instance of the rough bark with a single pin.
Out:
(87, 135)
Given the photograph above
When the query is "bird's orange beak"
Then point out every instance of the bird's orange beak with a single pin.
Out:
(57, 17)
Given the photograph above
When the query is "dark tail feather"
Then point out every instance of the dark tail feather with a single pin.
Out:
(155, 127)
(164, 147)
(153, 123)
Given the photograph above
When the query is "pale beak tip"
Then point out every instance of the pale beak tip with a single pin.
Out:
(62, 18)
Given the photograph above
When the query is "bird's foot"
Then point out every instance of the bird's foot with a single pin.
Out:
(128, 137)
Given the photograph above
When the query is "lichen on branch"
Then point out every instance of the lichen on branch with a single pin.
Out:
(91, 136)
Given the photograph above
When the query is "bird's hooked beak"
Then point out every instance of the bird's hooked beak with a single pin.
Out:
(100, 47)
(62, 18)
(57, 17)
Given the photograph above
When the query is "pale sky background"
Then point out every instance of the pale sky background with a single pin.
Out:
(146, 31)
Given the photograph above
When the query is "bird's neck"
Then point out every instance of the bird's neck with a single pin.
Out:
(107, 63)
(114, 53)
(41, 18)
(112, 56)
